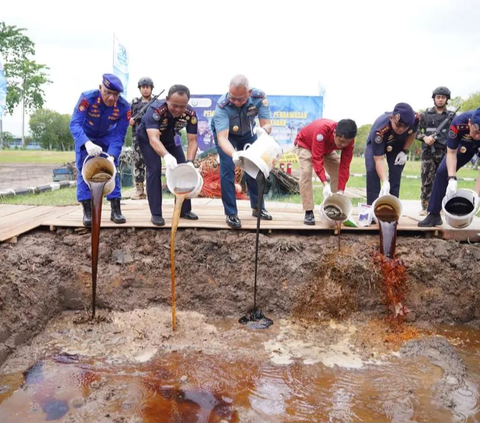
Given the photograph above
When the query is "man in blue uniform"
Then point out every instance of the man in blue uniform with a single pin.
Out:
(391, 135)
(162, 121)
(233, 126)
(463, 142)
(99, 124)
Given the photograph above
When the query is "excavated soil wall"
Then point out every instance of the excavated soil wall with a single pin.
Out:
(299, 275)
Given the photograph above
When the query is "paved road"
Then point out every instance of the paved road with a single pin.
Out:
(25, 175)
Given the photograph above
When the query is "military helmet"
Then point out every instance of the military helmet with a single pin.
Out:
(441, 91)
(145, 81)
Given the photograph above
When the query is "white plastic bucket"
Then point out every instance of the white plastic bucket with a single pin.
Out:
(340, 201)
(184, 177)
(100, 164)
(390, 200)
(260, 156)
(465, 220)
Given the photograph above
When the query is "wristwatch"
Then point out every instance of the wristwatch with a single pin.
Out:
(405, 151)
(452, 177)
(189, 161)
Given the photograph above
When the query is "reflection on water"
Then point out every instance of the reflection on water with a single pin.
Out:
(198, 387)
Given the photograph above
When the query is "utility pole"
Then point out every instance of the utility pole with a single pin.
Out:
(23, 114)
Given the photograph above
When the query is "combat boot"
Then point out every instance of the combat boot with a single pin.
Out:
(139, 193)
(87, 213)
(433, 219)
(116, 215)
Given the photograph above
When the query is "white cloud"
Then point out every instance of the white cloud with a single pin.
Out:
(369, 55)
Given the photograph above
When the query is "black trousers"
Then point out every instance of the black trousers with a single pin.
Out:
(153, 166)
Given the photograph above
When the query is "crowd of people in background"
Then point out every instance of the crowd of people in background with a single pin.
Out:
(101, 119)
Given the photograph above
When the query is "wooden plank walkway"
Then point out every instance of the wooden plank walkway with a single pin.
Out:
(16, 220)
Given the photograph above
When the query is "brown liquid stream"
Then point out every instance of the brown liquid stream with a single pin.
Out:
(388, 221)
(180, 195)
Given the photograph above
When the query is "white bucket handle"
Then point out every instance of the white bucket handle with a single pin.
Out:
(247, 146)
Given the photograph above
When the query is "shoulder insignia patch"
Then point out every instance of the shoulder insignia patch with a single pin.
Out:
(193, 120)
(258, 94)
(378, 138)
(223, 103)
(265, 102)
(156, 116)
(453, 132)
(83, 105)
(319, 137)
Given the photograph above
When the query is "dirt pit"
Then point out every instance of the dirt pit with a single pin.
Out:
(332, 353)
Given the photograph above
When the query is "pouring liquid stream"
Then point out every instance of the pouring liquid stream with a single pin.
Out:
(180, 195)
(96, 183)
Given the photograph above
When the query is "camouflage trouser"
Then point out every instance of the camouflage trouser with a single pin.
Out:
(430, 163)
(138, 161)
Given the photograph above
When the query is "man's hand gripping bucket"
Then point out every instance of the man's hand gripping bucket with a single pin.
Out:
(98, 169)
(260, 155)
(184, 178)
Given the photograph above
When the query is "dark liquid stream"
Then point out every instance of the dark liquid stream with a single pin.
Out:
(255, 318)
(96, 189)
(388, 221)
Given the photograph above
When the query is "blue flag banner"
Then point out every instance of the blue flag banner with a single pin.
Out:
(289, 115)
(3, 88)
(120, 63)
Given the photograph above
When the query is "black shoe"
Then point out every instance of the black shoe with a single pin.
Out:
(264, 215)
(87, 213)
(157, 220)
(233, 221)
(309, 218)
(189, 215)
(433, 219)
(116, 215)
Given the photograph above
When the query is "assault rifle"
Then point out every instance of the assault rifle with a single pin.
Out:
(446, 122)
(144, 108)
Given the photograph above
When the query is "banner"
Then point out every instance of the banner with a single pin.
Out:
(120, 63)
(289, 115)
(3, 88)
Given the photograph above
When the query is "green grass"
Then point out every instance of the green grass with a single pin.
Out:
(40, 157)
(409, 190)
(60, 197)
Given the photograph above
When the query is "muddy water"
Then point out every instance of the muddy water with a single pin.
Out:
(180, 195)
(298, 381)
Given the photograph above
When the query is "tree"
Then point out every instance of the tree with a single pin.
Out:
(6, 139)
(25, 77)
(51, 130)
(472, 102)
(361, 139)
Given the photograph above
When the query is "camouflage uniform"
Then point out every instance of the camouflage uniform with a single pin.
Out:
(429, 122)
(137, 154)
